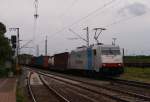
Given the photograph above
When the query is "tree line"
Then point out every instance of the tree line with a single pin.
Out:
(5, 48)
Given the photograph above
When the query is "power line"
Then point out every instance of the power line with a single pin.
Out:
(69, 8)
(26, 44)
(93, 12)
(83, 18)
(46, 46)
(122, 20)
(107, 8)
(77, 34)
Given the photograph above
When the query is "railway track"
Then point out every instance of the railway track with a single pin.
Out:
(29, 89)
(41, 92)
(117, 93)
(115, 80)
(131, 83)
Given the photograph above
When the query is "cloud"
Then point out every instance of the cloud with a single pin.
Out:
(136, 9)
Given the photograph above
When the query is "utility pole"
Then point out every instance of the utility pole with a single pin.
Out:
(87, 36)
(123, 54)
(18, 40)
(36, 4)
(37, 49)
(114, 41)
(46, 46)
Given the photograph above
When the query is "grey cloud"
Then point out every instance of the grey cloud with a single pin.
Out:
(135, 9)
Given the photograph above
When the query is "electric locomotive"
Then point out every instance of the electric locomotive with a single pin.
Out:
(104, 59)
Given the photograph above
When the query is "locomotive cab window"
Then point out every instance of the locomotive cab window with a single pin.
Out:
(94, 51)
(111, 51)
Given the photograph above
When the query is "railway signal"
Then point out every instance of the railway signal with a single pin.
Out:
(13, 41)
(16, 44)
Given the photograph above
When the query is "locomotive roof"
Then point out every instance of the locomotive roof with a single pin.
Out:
(94, 47)
(106, 45)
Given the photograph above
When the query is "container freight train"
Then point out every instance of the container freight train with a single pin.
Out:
(102, 59)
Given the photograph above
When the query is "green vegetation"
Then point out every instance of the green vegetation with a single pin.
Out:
(3, 71)
(5, 51)
(137, 74)
(5, 48)
(19, 95)
(137, 59)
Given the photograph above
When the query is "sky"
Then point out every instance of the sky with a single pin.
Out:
(126, 20)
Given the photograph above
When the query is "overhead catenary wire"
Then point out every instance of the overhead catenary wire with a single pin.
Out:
(69, 8)
(77, 34)
(109, 25)
(83, 18)
(23, 46)
(123, 20)
(91, 13)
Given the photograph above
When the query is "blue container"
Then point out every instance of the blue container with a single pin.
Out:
(39, 61)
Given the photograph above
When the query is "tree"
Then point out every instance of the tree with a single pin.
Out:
(2, 29)
(5, 48)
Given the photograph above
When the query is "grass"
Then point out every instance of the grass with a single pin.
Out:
(143, 59)
(20, 97)
(137, 74)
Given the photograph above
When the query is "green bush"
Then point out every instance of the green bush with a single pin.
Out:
(20, 97)
(139, 74)
(3, 72)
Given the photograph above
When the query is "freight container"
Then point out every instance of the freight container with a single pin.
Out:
(25, 59)
(42, 62)
(32, 63)
(61, 60)
(45, 62)
(39, 61)
(51, 61)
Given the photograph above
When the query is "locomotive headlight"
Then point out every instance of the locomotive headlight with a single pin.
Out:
(103, 65)
(119, 64)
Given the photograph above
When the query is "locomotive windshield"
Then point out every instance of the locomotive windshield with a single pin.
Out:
(110, 51)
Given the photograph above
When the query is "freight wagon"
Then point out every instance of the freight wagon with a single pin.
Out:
(40, 62)
(59, 61)
(25, 59)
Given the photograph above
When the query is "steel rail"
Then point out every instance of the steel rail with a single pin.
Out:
(97, 92)
(129, 82)
(112, 89)
(62, 99)
(29, 88)
(100, 86)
